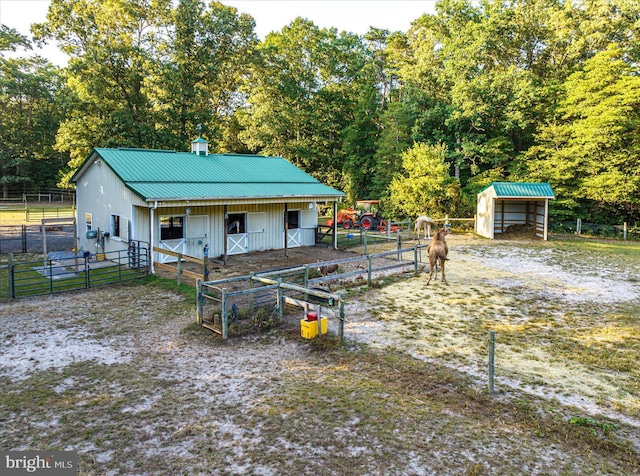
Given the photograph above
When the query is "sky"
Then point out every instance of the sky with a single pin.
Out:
(270, 15)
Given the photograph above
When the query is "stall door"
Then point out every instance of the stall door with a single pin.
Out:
(172, 237)
(294, 235)
(237, 236)
(196, 239)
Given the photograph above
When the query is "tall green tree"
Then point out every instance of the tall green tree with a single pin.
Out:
(359, 146)
(424, 185)
(201, 64)
(591, 151)
(143, 73)
(30, 113)
(300, 97)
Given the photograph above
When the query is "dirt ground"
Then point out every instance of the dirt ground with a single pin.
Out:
(122, 374)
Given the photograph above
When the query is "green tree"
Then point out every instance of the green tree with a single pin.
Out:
(424, 186)
(591, 152)
(30, 112)
(359, 146)
(300, 97)
(201, 65)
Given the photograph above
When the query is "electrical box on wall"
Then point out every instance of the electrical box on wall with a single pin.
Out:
(92, 234)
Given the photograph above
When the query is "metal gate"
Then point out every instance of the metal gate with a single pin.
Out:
(66, 271)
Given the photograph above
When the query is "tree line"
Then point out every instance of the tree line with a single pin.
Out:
(520, 90)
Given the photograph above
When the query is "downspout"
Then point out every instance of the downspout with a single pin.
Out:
(151, 234)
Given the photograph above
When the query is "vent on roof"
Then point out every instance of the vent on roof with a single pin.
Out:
(200, 146)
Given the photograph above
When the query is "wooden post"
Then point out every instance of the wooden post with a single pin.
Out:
(319, 321)
(341, 317)
(399, 247)
(364, 233)
(200, 302)
(180, 268)
(286, 229)
(44, 242)
(415, 260)
(280, 300)
(369, 270)
(335, 225)
(225, 237)
(578, 226)
(492, 340)
(205, 271)
(624, 231)
(12, 289)
(225, 315)
(251, 284)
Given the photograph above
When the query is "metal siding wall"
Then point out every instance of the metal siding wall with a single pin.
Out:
(540, 218)
(101, 193)
(515, 213)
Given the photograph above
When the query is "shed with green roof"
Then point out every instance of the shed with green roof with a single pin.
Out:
(186, 201)
(503, 207)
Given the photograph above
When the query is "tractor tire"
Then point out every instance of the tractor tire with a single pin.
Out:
(347, 224)
(367, 223)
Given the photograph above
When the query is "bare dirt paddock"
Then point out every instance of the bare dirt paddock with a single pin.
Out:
(123, 376)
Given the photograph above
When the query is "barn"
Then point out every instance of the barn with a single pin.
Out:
(507, 206)
(186, 201)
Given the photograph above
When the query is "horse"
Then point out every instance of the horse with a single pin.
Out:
(425, 222)
(438, 251)
(235, 225)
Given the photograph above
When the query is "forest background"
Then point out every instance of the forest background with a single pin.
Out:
(479, 91)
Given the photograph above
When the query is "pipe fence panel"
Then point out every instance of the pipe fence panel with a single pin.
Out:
(65, 271)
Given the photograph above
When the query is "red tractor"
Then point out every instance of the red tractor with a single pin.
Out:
(365, 215)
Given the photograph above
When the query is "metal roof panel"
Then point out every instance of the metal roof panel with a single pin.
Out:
(175, 175)
(522, 189)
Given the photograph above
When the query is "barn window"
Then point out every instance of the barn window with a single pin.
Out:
(119, 227)
(88, 220)
(171, 228)
(115, 225)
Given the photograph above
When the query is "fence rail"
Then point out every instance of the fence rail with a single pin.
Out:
(222, 301)
(49, 195)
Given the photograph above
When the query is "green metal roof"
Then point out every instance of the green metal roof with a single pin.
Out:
(169, 175)
(521, 189)
(200, 140)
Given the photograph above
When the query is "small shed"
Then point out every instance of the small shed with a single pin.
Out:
(515, 205)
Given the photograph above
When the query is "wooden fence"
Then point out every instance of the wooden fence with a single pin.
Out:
(178, 266)
(271, 285)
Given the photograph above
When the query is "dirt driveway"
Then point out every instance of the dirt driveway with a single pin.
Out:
(123, 375)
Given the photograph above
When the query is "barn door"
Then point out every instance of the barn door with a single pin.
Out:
(197, 229)
(172, 237)
(237, 237)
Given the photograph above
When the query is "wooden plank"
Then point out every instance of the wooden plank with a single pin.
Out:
(59, 221)
(212, 328)
(191, 274)
(190, 259)
(167, 267)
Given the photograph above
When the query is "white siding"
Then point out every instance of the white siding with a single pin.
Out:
(485, 213)
(101, 193)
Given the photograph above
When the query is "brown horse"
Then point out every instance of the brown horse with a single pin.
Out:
(438, 251)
